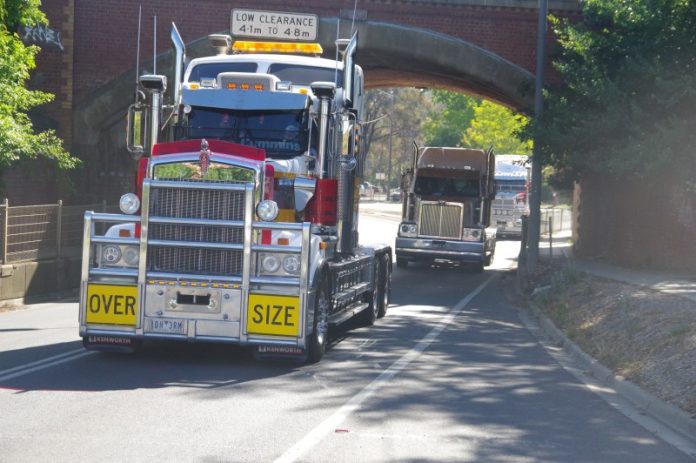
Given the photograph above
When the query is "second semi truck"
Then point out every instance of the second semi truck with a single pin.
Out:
(447, 207)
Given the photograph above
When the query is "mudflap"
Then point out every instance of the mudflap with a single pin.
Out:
(279, 353)
(120, 344)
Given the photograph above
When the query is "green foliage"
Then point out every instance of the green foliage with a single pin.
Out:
(497, 126)
(18, 139)
(452, 116)
(463, 120)
(625, 105)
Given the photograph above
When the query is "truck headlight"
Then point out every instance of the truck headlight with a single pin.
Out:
(291, 264)
(472, 234)
(131, 256)
(129, 203)
(267, 210)
(270, 263)
(111, 254)
(408, 229)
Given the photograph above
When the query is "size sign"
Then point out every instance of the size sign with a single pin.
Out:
(274, 25)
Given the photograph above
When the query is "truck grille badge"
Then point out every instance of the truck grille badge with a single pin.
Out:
(204, 157)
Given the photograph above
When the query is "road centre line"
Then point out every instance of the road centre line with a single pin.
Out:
(48, 362)
(327, 426)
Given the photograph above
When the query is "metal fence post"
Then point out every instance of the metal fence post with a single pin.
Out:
(59, 228)
(551, 236)
(5, 222)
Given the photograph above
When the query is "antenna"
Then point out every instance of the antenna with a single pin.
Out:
(137, 54)
(352, 24)
(154, 48)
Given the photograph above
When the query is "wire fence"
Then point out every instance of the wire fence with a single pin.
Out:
(44, 231)
(556, 220)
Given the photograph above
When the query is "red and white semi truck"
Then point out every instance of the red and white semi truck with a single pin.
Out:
(242, 227)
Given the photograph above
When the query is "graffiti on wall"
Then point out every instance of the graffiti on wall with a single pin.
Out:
(42, 35)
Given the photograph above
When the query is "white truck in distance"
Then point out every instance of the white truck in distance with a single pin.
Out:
(511, 193)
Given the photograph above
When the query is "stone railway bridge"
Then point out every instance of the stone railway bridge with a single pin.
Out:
(481, 47)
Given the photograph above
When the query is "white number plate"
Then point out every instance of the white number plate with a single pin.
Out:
(166, 325)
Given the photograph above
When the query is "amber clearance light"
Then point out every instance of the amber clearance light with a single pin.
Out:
(243, 46)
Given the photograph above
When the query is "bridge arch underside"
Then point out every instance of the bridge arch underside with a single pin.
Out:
(396, 56)
(390, 55)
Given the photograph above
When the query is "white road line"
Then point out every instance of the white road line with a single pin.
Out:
(48, 362)
(331, 423)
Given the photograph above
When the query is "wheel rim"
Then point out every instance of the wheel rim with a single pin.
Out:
(375, 299)
(322, 317)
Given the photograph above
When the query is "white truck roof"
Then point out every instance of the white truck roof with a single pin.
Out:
(264, 61)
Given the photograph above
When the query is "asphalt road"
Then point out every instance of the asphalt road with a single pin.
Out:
(451, 374)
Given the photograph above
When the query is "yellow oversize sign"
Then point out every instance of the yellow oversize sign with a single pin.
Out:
(111, 304)
(279, 315)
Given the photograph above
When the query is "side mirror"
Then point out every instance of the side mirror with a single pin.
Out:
(136, 130)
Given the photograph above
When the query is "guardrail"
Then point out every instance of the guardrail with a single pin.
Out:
(43, 231)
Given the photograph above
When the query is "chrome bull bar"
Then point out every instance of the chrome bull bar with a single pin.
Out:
(246, 281)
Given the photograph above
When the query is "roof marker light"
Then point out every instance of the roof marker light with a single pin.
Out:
(243, 46)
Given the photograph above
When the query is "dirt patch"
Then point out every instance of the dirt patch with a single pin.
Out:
(9, 307)
(646, 336)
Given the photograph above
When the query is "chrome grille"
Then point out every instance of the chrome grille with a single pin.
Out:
(441, 220)
(196, 204)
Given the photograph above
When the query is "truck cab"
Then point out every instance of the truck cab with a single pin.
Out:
(446, 208)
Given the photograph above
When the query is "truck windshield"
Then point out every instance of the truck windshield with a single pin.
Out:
(283, 134)
(304, 75)
(211, 70)
(509, 188)
(446, 186)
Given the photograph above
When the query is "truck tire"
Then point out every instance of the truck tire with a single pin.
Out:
(384, 286)
(369, 315)
(319, 337)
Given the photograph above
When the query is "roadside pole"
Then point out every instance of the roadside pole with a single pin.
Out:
(535, 195)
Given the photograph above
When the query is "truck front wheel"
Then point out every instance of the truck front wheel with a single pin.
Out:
(384, 285)
(317, 340)
(370, 314)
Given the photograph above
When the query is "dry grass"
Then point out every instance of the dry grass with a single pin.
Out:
(645, 336)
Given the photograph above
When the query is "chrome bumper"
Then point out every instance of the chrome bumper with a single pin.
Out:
(428, 248)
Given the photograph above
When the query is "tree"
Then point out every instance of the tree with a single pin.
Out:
(18, 138)
(497, 126)
(627, 92)
(395, 114)
(452, 115)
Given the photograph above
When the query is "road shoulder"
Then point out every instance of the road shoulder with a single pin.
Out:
(638, 342)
